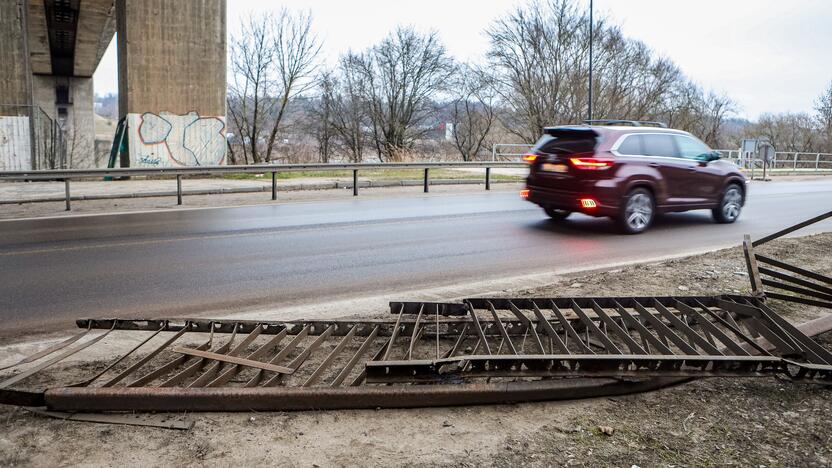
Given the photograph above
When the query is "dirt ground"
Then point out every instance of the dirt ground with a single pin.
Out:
(746, 422)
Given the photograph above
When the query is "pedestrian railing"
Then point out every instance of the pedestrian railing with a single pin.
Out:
(66, 175)
(784, 162)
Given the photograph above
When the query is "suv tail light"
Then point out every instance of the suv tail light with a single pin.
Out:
(530, 158)
(591, 164)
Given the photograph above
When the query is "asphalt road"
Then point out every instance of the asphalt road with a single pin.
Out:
(189, 261)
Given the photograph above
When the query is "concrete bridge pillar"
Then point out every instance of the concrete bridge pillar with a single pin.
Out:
(172, 80)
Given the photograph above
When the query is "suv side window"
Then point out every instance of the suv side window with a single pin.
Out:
(631, 146)
(691, 148)
(660, 145)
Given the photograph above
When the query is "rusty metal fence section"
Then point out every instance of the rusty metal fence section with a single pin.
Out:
(777, 279)
(424, 354)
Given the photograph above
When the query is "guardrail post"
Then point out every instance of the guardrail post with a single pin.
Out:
(66, 189)
(794, 169)
(355, 182)
(488, 178)
(178, 189)
(817, 162)
(274, 185)
(427, 179)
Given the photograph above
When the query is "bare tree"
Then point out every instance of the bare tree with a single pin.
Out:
(472, 110)
(322, 115)
(823, 107)
(540, 58)
(272, 62)
(400, 75)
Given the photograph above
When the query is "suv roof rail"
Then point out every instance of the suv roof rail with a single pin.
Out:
(632, 123)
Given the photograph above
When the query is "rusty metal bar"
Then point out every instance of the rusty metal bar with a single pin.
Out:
(455, 348)
(547, 327)
(502, 330)
(166, 368)
(478, 327)
(643, 331)
(791, 229)
(69, 352)
(593, 328)
(138, 365)
(569, 330)
(254, 381)
(734, 328)
(395, 333)
(691, 333)
(197, 365)
(663, 330)
(712, 329)
(797, 290)
(264, 349)
(302, 357)
(233, 360)
(215, 367)
(49, 350)
(628, 340)
(114, 363)
(529, 325)
(794, 269)
(751, 265)
(316, 375)
(355, 357)
(799, 281)
(415, 333)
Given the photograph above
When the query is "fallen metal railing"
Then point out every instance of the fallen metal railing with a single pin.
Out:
(776, 279)
(425, 354)
(66, 175)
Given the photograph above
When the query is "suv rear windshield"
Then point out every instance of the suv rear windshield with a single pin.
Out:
(566, 141)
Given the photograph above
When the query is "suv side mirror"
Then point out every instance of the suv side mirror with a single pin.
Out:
(709, 156)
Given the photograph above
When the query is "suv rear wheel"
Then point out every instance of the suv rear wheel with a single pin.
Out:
(637, 211)
(557, 214)
(730, 206)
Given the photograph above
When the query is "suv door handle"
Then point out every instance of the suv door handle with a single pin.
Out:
(653, 164)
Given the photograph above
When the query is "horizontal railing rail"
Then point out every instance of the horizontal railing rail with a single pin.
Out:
(60, 174)
(66, 175)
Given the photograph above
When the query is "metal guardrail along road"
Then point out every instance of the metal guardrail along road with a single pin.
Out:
(67, 175)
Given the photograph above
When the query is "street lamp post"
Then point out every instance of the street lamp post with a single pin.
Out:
(590, 59)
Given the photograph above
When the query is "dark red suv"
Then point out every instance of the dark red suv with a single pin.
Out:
(630, 171)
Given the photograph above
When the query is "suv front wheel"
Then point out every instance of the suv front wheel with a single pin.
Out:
(730, 205)
(637, 211)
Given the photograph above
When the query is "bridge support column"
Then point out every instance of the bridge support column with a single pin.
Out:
(172, 80)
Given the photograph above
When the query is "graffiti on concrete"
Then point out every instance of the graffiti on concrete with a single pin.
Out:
(166, 140)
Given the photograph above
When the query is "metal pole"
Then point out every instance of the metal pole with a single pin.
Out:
(494, 152)
(427, 179)
(66, 189)
(355, 182)
(274, 185)
(794, 169)
(178, 189)
(590, 59)
(488, 178)
(817, 162)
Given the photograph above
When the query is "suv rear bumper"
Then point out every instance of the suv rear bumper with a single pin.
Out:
(606, 204)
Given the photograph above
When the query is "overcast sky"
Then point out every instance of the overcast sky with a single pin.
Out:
(768, 55)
